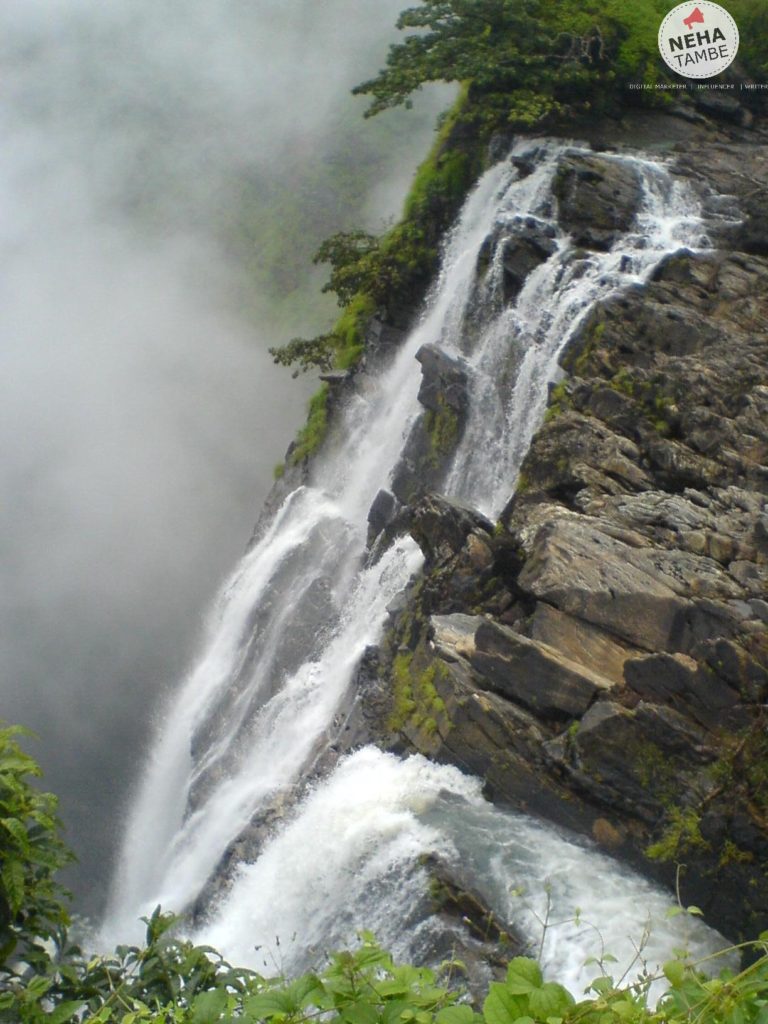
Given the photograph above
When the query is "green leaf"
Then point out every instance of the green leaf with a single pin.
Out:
(455, 1015)
(696, 911)
(602, 985)
(17, 830)
(267, 1004)
(674, 972)
(38, 987)
(501, 1006)
(209, 1006)
(361, 1012)
(523, 975)
(64, 1012)
(392, 1012)
(624, 1008)
(391, 987)
(736, 1016)
(298, 991)
(13, 882)
(551, 1000)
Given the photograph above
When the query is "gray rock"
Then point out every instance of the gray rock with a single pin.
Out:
(441, 527)
(581, 642)
(597, 198)
(583, 572)
(532, 673)
(638, 760)
(679, 681)
(443, 380)
(336, 377)
(522, 245)
(453, 636)
(637, 593)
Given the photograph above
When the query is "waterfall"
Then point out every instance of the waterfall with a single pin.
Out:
(248, 718)
(349, 857)
(292, 623)
(555, 297)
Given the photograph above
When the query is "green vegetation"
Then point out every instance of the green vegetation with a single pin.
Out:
(416, 700)
(681, 834)
(313, 432)
(559, 401)
(31, 902)
(521, 64)
(526, 59)
(390, 273)
(46, 979)
(443, 429)
(529, 60)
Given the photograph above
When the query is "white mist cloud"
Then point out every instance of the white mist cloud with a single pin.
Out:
(140, 414)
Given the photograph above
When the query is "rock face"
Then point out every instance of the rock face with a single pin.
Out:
(433, 438)
(600, 656)
(521, 245)
(596, 198)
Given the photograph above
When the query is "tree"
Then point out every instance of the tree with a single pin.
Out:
(530, 50)
(32, 903)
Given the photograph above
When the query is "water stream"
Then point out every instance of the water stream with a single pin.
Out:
(290, 627)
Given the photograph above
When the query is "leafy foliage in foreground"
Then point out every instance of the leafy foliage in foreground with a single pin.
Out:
(45, 979)
(32, 904)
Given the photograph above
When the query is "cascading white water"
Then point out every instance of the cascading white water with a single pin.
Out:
(298, 613)
(349, 857)
(263, 690)
(554, 299)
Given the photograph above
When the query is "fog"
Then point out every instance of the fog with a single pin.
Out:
(146, 147)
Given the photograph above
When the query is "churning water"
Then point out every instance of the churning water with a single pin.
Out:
(292, 623)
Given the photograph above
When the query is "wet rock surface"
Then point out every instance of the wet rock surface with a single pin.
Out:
(433, 438)
(600, 655)
(597, 198)
(521, 246)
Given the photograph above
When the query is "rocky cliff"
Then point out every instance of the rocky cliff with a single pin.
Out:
(600, 654)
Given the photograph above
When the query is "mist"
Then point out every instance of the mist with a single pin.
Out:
(168, 167)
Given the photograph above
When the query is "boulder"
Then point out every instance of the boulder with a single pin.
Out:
(441, 527)
(382, 511)
(679, 681)
(598, 197)
(520, 245)
(640, 594)
(458, 899)
(453, 636)
(581, 642)
(503, 744)
(443, 380)
(431, 444)
(532, 673)
(636, 761)
(387, 519)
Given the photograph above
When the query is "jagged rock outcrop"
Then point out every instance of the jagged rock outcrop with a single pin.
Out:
(597, 198)
(522, 245)
(600, 657)
(435, 434)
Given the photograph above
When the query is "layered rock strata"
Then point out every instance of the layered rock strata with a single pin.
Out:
(600, 655)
